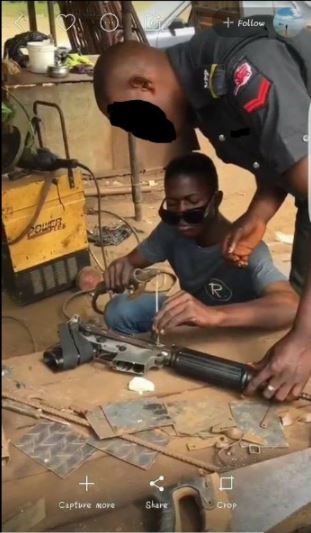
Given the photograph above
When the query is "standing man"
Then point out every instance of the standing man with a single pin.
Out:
(248, 91)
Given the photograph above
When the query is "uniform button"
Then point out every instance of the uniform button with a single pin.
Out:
(221, 137)
(305, 138)
(256, 164)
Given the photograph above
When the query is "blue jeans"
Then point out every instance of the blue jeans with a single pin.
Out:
(132, 316)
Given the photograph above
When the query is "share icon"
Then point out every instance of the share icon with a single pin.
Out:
(155, 481)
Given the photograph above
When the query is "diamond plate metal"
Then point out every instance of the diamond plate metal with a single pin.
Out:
(137, 414)
(56, 447)
(133, 453)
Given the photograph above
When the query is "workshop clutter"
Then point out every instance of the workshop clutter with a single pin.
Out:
(136, 431)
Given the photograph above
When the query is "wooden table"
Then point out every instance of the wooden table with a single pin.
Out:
(25, 481)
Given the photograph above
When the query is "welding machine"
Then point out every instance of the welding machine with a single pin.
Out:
(44, 235)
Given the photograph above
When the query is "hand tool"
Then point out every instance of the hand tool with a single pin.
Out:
(81, 343)
(136, 286)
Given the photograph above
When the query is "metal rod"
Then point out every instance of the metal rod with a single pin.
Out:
(32, 16)
(112, 191)
(38, 103)
(127, 11)
(51, 15)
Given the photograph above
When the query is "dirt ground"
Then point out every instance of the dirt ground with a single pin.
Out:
(42, 317)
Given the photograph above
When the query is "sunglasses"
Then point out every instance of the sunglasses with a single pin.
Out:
(191, 216)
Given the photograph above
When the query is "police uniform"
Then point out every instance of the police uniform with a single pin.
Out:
(249, 91)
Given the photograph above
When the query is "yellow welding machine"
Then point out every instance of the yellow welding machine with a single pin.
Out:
(44, 235)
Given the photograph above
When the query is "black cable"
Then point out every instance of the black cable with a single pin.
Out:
(27, 328)
(72, 297)
(99, 212)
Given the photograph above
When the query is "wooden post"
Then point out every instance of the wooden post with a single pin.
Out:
(52, 21)
(136, 188)
(32, 16)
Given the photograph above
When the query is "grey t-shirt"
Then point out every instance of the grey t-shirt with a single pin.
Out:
(204, 273)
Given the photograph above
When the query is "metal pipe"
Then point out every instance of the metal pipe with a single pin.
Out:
(38, 103)
(135, 182)
(51, 15)
(114, 191)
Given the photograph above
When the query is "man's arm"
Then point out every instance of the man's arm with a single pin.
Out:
(286, 368)
(119, 272)
(152, 250)
(249, 229)
(276, 308)
(274, 103)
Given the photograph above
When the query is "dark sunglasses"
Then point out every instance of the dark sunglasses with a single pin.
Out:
(191, 216)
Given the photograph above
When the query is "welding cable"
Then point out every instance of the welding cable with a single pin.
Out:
(158, 272)
(99, 211)
(25, 326)
(96, 260)
(71, 298)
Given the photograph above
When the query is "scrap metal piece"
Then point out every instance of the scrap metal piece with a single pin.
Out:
(56, 447)
(201, 444)
(267, 417)
(254, 448)
(249, 414)
(96, 417)
(253, 439)
(5, 452)
(198, 418)
(137, 414)
(130, 452)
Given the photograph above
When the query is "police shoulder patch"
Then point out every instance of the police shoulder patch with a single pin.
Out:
(250, 87)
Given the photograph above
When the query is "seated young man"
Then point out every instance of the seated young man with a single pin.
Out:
(189, 236)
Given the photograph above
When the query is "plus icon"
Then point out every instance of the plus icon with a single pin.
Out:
(228, 22)
(86, 483)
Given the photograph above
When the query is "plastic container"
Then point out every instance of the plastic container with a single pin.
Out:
(41, 56)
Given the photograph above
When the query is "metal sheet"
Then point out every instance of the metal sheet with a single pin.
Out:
(137, 414)
(197, 418)
(96, 417)
(248, 416)
(267, 493)
(56, 447)
(133, 453)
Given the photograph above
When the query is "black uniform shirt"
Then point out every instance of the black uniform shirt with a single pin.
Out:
(250, 95)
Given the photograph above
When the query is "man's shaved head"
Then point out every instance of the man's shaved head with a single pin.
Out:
(133, 72)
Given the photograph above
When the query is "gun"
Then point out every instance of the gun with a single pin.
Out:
(83, 342)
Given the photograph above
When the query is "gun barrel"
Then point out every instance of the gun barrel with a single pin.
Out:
(214, 370)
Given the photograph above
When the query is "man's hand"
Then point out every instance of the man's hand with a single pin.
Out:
(118, 274)
(243, 237)
(182, 308)
(285, 369)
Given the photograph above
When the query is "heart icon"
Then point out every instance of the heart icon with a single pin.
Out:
(65, 21)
